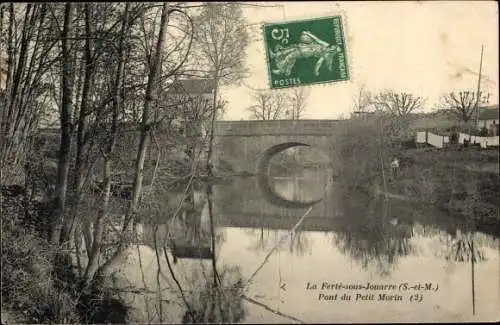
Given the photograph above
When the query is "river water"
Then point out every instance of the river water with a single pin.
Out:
(350, 259)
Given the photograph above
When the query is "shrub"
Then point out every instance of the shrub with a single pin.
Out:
(409, 144)
(38, 281)
(225, 299)
(360, 148)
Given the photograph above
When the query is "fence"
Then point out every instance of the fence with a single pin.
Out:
(439, 141)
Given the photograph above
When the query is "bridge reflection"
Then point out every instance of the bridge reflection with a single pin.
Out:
(373, 233)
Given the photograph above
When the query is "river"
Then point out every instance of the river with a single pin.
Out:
(350, 259)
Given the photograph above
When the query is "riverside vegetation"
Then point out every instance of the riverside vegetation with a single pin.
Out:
(462, 181)
(83, 97)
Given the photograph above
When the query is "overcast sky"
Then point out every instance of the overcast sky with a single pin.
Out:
(426, 48)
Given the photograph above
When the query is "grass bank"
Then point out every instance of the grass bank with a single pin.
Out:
(35, 288)
(461, 181)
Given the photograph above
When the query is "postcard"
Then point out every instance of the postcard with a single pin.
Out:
(249, 162)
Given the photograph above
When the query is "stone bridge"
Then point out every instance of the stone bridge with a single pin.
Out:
(247, 146)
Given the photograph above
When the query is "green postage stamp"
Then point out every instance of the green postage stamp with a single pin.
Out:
(305, 52)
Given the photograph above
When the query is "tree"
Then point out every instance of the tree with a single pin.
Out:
(94, 254)
(362, 101)
(297, 103)
(269, 105)
(28, 55)
(144, 137)
(398, 104)
(85, 66)
(66, 123)
(464, 103)
(221, 40)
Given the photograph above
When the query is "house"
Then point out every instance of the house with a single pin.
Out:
(190, 101)
(188, 94)
(194, 87)
(362, 114)
(488, 117)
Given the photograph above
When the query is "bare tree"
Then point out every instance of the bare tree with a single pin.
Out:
(94, 254)
(144, 138)
(268, 105)
(363, 100)
(398, 104)
(221, 40)
(463, 103)
(297, 103)
(66, 124)
(27, 59)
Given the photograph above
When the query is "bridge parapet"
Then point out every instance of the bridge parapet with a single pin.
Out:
(275, 127)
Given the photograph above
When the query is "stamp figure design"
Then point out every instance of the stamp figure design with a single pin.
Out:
(306, 52)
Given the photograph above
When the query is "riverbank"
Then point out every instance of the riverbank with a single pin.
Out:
(460, 181)
(39, 285)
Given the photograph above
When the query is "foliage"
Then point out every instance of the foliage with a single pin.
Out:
(94, 71)
(220, 303)
(436, 178)
(220, 42)
(363, 149)
(37, 288)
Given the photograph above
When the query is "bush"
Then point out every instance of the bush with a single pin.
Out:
(409, 144)
(360, 148)
(38, 281)
(226, 299)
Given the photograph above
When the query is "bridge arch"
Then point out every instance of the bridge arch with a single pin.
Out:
(264, 182)
(264, 160)
(241, 144)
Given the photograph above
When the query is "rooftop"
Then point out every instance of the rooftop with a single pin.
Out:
(192, 86)
(489, 113)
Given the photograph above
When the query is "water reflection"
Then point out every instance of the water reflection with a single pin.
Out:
(376, 239)
(299, 243)
(346, 236)
(379, 238)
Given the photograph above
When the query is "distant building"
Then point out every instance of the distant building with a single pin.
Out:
(190, 100)
(193, 87)
(447, 119)
(362, 114)
(488, 117)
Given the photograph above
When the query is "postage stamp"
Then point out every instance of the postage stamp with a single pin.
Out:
(306, 52)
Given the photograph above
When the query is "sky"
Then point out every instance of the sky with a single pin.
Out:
(424, 48)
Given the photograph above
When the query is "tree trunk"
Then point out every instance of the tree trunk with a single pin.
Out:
(150, 97)
(65, 120)
(82, 122)
(209, 164)
(107, 175)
